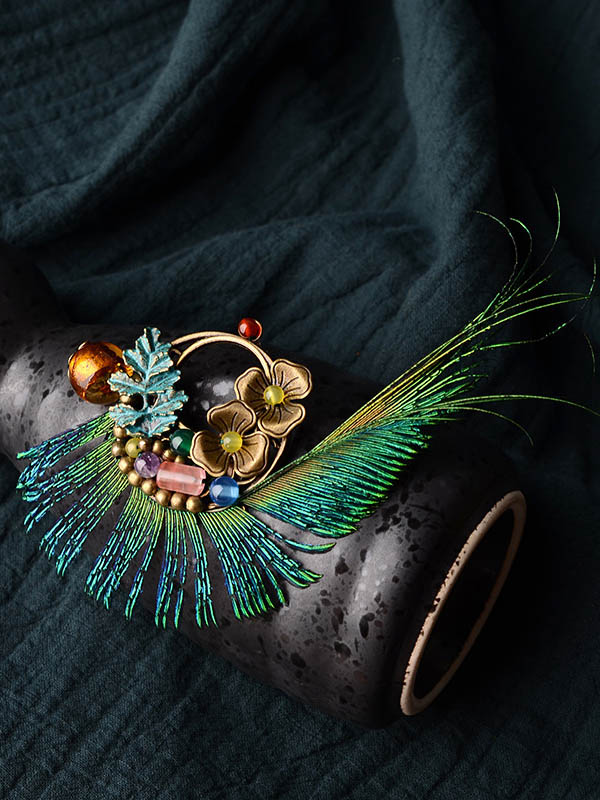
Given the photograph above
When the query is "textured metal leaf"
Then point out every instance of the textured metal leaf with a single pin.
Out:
(153, 382)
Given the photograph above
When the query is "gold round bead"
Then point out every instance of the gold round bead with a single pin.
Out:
(193, 504)
(119, 432)
(145, 445)
(169, 455)
(134, 478)
(125, 464)
(125, 399)
(158, 447)
(180, 460)
(178, 500)
(148, 486)
(117, 450)
(162, 497)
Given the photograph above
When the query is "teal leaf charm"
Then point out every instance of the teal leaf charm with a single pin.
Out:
(153, 383)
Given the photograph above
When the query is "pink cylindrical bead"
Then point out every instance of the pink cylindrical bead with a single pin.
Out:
(182, 478)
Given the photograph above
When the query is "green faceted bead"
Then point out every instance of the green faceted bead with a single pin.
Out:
(181, 441)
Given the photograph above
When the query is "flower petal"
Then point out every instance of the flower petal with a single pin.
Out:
(231, 416)
(294, 379)
(206, 451)
(250, 387)
(279, 420)
(252, 456)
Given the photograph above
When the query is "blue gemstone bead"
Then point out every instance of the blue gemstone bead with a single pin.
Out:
(224, 491)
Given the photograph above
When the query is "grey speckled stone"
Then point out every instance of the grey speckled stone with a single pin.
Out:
(343, 643)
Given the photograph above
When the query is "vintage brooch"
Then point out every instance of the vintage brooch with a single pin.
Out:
(172, 464)
(182, 483)
(182, 491)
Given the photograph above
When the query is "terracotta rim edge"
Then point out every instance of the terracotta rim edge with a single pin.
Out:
(513, 501)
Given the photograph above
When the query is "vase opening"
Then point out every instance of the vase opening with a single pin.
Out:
(463, 603)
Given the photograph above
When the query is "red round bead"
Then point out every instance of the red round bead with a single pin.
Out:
(250, 328)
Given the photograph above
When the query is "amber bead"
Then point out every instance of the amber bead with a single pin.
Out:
(91, 366)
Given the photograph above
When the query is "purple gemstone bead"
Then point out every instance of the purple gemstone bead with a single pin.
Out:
(147, 464)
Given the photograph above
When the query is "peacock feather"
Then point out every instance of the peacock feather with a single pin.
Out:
(325, 492)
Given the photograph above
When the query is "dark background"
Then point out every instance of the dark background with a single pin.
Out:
(316, 165)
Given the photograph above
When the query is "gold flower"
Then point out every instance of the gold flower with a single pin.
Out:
(274, 398)
(232, 445)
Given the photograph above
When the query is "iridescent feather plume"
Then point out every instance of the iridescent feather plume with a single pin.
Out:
(326, 492)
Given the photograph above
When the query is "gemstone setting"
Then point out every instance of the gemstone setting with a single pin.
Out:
(250, 328)
(132, 447)
(147, 465)
(181, 441)
(181, 478)
(231, 441)
(91, 366)
(224, 491)
(274, 395)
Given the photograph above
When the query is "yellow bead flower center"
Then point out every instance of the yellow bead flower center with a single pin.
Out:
(231, 441)
(274, 395)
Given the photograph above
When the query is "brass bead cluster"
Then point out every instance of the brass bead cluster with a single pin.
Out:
(126, 452)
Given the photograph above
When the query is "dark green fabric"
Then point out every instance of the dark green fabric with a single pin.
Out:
(316, 165)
